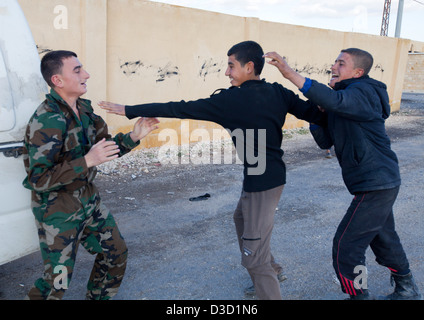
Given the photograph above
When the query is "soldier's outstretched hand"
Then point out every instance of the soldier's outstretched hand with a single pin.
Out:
(101, 152)
(143, 127)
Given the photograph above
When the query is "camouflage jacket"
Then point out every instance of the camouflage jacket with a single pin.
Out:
(56, 142)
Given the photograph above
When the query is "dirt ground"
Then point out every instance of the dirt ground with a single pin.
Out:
(187, 250)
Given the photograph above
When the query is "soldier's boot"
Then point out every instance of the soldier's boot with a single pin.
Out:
(405, 288)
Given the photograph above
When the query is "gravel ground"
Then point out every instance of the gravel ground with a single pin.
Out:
(184, 250)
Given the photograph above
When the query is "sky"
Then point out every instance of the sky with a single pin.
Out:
(364, 16)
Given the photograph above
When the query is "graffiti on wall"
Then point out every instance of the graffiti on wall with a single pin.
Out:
(207, 67)
(309, 70)
(160, 73)
(210, 67)
(214, 67)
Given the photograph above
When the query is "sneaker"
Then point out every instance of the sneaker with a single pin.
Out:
(281, 276)
(250, 291)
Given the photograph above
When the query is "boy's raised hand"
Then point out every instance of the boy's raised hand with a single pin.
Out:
(278, 61)
(287, 72)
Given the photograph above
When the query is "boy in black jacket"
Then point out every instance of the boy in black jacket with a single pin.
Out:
(357, 109)
(257, 109)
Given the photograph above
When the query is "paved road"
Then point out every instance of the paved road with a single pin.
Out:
(182, 250)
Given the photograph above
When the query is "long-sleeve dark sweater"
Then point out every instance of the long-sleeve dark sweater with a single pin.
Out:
(247, 109)
(357, 110)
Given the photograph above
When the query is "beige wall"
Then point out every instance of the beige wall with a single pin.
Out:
(414, 75)
(140, 51)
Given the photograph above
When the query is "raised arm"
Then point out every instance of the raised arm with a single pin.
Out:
(287, 72)
(352, 104)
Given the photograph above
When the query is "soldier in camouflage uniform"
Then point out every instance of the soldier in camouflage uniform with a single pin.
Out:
(64, 141)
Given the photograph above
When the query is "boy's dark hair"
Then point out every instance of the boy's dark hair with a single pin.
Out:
(361, 58)
(249, 51)
(52, 64)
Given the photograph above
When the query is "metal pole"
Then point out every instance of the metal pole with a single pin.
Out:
(385, 21)
(399, 19)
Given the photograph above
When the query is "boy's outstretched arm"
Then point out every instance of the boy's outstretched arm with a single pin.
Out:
(115, 108)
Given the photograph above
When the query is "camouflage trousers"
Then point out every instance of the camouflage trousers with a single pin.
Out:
(60, 233)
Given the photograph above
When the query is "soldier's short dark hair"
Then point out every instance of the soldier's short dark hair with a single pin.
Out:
(248, 51)
(361, 59)
(52, 64)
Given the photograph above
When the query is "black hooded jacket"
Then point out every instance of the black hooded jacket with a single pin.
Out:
(357, 110)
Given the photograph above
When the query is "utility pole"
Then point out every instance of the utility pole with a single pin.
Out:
(399, 19)
(385, 21)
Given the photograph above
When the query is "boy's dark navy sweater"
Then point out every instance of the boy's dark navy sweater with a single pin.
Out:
(256, 105)
(357, 110)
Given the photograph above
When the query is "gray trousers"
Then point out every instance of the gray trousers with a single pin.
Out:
(254, 221)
